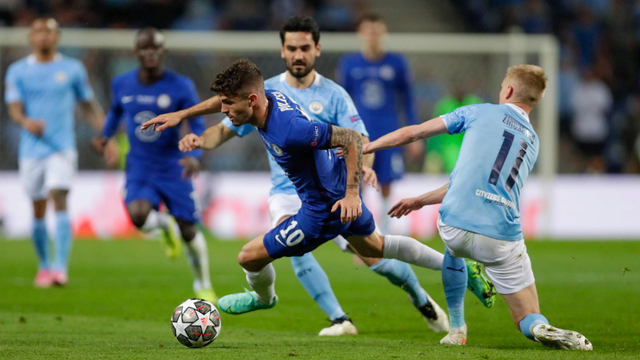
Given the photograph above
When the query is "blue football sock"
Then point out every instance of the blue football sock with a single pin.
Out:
(454, 279)
(40, 240)
(401, 274)
(63, 241)
(316, 282)
(529, 322)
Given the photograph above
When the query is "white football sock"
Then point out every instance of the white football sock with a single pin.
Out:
(411, 251)
(384, 218)
(198, 256)
(156, 220)
(263, 283)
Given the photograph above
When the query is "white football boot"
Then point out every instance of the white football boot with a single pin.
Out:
(343, 326)
(436, 318)
(456, 336)
(553, 337)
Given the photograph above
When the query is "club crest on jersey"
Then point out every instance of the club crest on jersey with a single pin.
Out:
(164, 101)
(61, 77)
(387, 72)
(148, 135)
(316, 107)
(276, 149)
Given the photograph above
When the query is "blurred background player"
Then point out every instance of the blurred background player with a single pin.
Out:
(442, 151)
(480, 212)
(378, 82)
(156, 170)
(41, 92)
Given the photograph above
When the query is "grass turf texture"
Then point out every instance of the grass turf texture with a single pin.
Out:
(122, 293)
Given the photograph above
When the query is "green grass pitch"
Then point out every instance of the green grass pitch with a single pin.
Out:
(122, 293)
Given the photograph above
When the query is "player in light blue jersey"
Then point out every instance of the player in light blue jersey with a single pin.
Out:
(380, 81)
(480, 212)
(41, 92)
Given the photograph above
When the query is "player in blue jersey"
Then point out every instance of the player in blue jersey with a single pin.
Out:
(328, 186)
(480, 216)
(156, 170)
(41, 92)
(378, 82)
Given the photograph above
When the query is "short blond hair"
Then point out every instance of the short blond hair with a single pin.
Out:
(530, 83)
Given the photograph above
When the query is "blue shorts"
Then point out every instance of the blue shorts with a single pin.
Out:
(178, 196)
(289, 239)
(389, 165)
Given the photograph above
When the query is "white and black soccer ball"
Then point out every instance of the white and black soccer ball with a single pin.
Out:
(195, 323)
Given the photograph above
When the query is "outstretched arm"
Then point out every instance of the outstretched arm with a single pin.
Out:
(212, 138)
(164, 121)
(407, 135)
(351, 143)
(405, 206)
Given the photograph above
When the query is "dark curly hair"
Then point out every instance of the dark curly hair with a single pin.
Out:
(236, 77)
(301, 23)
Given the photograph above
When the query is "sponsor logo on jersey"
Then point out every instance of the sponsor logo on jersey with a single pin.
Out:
(164, 101)
(316, 135)
(355, 118)
(145, 99)
(276, 149)
(61, 77)
(127, 99)
(316, 107)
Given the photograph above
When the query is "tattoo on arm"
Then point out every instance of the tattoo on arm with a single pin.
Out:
(350, 141)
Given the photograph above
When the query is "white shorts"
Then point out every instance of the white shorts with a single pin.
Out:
(285, 205)
(506, 262)
(53, 172)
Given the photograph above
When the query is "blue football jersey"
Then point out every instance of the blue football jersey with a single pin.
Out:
(324, 101)
(377, 87)
(49, 92)
(302, 149)
(498, 151)
(152, 152)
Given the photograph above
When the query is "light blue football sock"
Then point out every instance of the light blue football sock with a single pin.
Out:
(401, 274)
(454, 279)
(315, 281)
(40, 240)
(529, 322)
(62, 241)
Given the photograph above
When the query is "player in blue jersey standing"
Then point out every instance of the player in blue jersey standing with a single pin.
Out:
(41, 92)
(378, 82)
(479, 216)
(321, 179)
(156, 170)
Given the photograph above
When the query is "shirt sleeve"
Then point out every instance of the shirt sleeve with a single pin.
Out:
(457, 121)
(243, 130)
(405, 87)
(114, 115)
(81, 85)
(347, 115)
(12, 91)
(305, 133)
(197, 123)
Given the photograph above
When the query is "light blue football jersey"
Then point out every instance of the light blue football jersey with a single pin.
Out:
(49, 92)
(324, 101)
(498, 151)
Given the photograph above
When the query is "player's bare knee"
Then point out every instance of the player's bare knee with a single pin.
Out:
(138, 217)
(188, 230)
(59, 199)
(39, 208)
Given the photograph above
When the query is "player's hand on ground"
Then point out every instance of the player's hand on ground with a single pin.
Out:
(34, 127)
(191, 166)
(350, 208)
(404, 207)
(369, 177)
(190, 142)
(163, 121)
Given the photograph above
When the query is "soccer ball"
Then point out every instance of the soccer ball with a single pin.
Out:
(195, 323)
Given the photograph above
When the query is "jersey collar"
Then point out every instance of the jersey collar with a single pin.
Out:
(519, 111)
(31, 59)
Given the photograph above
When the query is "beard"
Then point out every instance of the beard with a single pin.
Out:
(300, 73)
